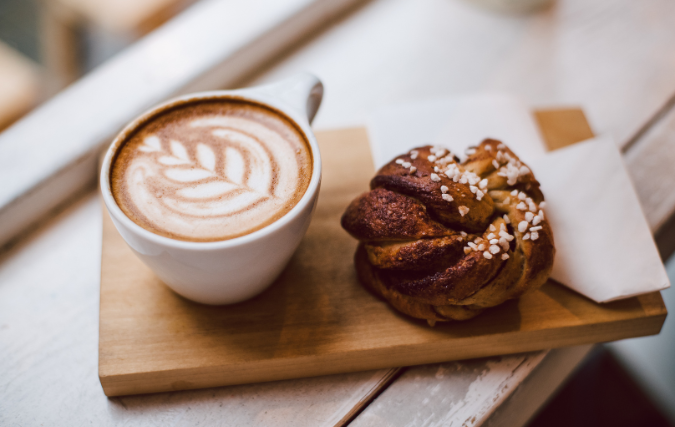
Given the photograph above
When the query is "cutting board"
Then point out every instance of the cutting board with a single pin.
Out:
(316, 319)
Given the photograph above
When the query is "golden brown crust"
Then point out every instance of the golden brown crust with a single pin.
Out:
(420, 186)
(421, 254)
(382, 215)
(371, 277)
(414, 225)
(481, 162)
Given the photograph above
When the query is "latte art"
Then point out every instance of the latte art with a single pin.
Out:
(212, 172)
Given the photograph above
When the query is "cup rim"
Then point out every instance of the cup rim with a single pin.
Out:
(246, 95)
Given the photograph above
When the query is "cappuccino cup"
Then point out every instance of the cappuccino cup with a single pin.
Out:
(213, 191)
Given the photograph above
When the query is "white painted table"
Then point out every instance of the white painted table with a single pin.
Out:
(613, 57)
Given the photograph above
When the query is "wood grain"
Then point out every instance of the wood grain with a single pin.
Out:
(49, 308)
(650, 164)
(381, 383)
(563, 127)
(473, 392)
(477, 387)
(611, 56)
(317, 319)
(497, 391)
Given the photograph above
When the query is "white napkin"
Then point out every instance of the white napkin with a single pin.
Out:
(604, 248)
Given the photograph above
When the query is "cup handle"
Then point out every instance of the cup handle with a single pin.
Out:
(302, 92)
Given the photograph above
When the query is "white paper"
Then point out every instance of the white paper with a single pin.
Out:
(604, 248)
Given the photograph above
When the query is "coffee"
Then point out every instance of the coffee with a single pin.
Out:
(211, 170)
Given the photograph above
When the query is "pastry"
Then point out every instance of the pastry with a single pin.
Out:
(442, 240)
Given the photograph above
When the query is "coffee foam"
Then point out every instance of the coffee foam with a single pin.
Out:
(211, 171)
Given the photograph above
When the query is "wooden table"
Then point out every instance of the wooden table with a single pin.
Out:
(612, 57)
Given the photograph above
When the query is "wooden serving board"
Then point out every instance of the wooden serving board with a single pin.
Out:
(316, 319)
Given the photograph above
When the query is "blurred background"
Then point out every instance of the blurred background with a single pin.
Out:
(47, 45)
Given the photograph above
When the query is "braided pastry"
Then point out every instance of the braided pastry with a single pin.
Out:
(442, 240)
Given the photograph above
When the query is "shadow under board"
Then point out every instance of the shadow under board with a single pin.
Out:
(316, 319)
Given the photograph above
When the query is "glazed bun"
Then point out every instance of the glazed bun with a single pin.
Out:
(442, 240)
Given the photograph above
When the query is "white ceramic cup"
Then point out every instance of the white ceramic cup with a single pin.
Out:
(234, 270)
